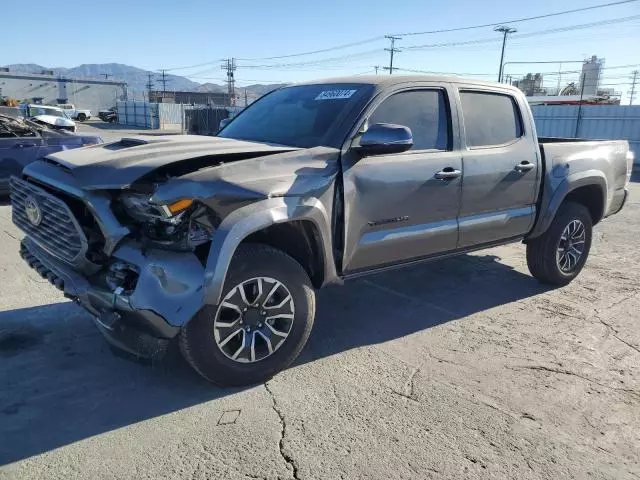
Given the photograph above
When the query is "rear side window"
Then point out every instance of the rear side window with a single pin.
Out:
(425, 112)
(490, 118)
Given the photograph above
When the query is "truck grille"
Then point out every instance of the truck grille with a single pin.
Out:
(47, 220)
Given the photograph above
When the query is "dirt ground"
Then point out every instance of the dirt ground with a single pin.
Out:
(465, 368)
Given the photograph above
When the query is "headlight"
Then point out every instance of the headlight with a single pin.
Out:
(139, 207)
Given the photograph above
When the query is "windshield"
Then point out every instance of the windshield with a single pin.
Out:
(299, 116)
(54, 112)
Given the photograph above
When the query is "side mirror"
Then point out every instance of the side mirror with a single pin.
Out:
(384, 138)
(223, 123)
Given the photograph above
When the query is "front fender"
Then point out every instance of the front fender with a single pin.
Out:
(249, 219)
(554, 195)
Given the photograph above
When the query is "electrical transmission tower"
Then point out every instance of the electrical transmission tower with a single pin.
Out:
(632, 94)
(230, 66)
(391, 51)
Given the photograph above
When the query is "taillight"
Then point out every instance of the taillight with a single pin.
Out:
(630, 158)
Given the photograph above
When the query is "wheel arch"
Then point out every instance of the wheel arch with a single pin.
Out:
(278, 222)
(588, 188)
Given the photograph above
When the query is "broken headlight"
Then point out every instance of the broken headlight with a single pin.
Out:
(181, 225)
(140, 208)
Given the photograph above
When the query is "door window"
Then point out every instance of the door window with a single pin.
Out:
(490, 119)
(425, 112)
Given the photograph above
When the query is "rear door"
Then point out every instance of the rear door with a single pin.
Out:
(501, 167)
(397, 207)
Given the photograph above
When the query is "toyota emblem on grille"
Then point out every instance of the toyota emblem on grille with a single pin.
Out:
(32, 208)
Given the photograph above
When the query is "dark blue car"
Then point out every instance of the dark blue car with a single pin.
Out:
(23, 142)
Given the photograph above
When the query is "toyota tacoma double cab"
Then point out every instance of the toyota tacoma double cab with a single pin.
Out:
(221, 242)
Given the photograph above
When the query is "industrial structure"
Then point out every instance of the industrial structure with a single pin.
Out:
(530, 84)
(219, 99)
(591, 75)
(50, 89)
(587, 90)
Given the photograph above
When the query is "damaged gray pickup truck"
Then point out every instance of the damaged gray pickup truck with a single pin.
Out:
(221, 243)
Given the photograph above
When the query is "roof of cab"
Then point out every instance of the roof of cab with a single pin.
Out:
(389, 80)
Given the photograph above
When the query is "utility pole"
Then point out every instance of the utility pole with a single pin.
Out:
(376, 67)
(505, 31)
(246, 103)
(559, 78)
(584, 76)
(164, 83)
(230, 66)
(633, 86)
(391, 51)
(106, 75)
(149, 85)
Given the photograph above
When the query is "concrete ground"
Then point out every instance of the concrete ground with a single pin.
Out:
(466, 368)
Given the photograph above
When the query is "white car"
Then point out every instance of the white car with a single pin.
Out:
(75, 113)
(53, 117)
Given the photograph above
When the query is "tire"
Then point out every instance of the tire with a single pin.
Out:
(543, 252)
(82, 117)
(198, 338)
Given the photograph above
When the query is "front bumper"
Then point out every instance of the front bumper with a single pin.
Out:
(139, 331)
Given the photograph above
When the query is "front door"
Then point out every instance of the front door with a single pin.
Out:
(404, 206)
(501, 169)
(18, 147)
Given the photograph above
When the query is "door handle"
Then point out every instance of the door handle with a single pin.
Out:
(525, 166)
(448, 173)
(24, 145)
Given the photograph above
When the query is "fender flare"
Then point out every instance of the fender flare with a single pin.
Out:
(551, 202)
(257, 216)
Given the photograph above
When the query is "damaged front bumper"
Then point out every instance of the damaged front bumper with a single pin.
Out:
(167, 293)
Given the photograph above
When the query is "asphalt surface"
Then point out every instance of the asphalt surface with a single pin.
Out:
(465, 368)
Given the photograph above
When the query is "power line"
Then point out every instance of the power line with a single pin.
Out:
(517, 20)
(194, 66)
(314, 62)
(377, 38)
(527, 35)
(324, 50)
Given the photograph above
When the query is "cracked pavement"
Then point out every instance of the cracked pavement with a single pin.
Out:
(465, 368)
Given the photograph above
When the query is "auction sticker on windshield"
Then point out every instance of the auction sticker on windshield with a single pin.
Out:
(334, 94)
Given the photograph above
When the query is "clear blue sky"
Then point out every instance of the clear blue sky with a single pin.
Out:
(163, 34)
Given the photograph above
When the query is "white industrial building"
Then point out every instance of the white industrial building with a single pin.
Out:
(50, 89)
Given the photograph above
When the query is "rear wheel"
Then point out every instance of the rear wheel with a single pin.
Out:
(82, 117)
(558, 256)
(261, 324)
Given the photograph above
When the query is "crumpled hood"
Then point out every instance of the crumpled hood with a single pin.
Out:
(117, 165)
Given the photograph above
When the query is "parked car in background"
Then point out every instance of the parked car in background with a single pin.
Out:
(75, 113)
(23, 141)
(110, 115)
(222, 242)
(52, 117)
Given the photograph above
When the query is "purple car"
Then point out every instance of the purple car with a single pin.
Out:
(23, 141)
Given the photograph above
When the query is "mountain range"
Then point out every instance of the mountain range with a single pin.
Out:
(137, 78)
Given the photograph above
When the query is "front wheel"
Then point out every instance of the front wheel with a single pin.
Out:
(558, 256)
(262, 323)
